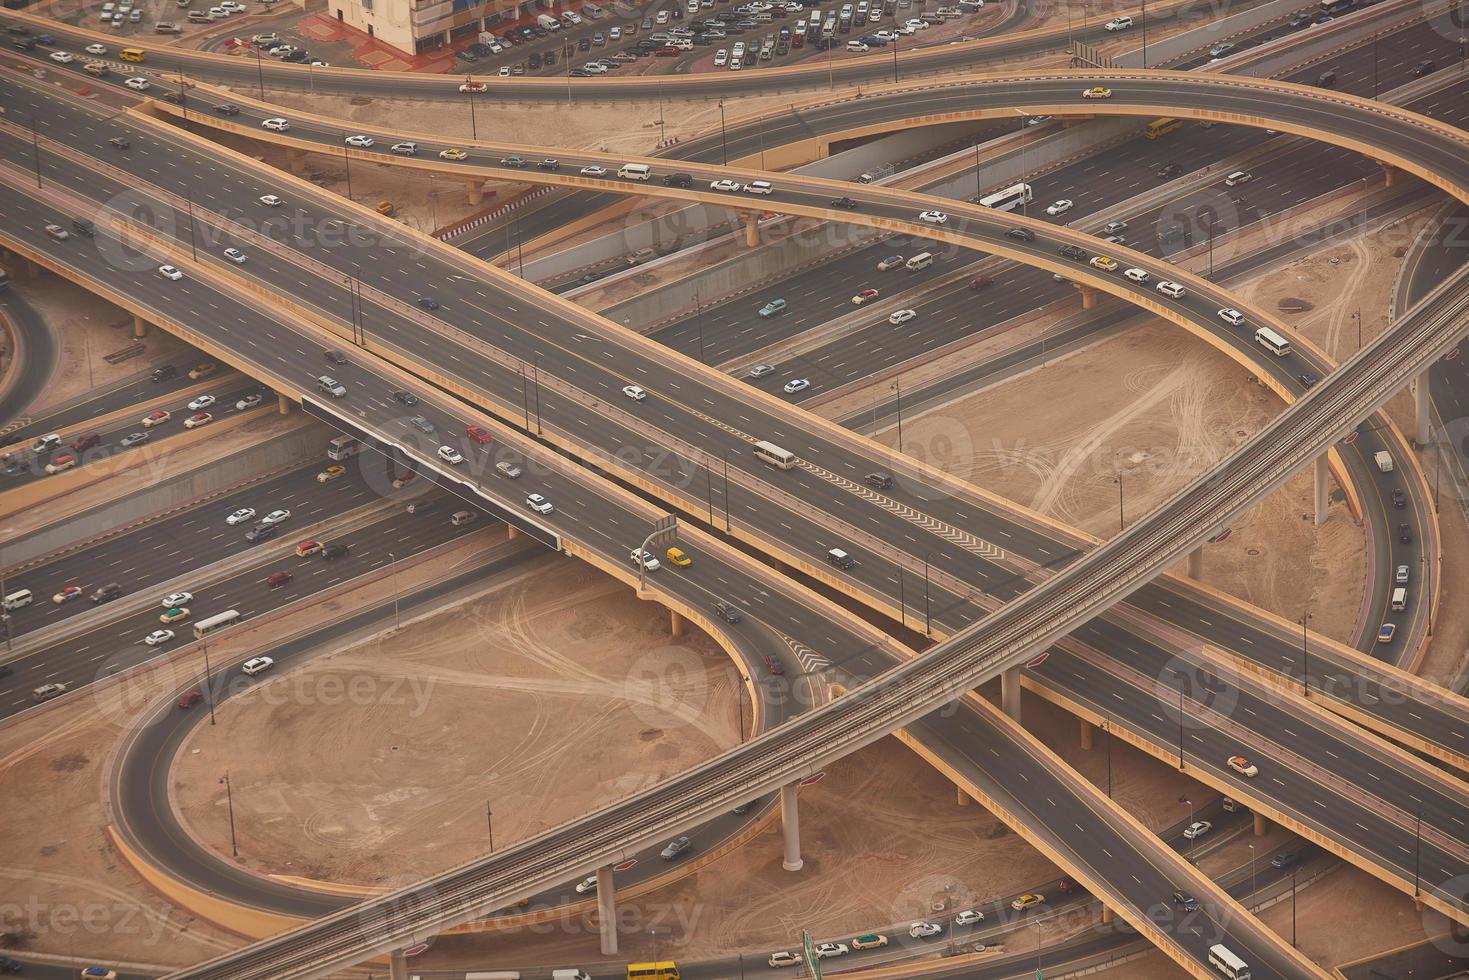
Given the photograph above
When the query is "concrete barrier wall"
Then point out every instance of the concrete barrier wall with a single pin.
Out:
(299, 446)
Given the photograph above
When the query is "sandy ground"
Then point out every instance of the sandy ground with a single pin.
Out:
(1160, 408)
(550, 696)
(65, 890)
(87, 329)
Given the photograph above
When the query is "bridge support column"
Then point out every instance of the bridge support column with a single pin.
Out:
(1261, 825)
(790, 828)
(607, 910)
(1107, 914)
(1088, 732)
(1196, 563)
(1323, 486)
(397, 965)
(511, 532)
(1088, 296)
(474, 189)
(295, 160)
(1422, 411)
(1010, 693)
(961, 797)
(677, 625)
(140, 327)
(752, 229)
(283, 404)
(1389, 173)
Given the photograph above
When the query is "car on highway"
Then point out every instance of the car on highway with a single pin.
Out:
(900, 317)
(170, 273)
(428, 303)
(277, 579)
(1170, 289)
(453, 153)
(761, 371)
(538, 503)
(646, 559)
(872, 940)
(675, 848)
(157, 637)
(1399, 498)
(634, 392)
(175, 615)
(864, 296)
(783, 958)
(1405, 533)
(270, 200)
(1185, 901)
(1197, 829)
(478, 434)
(1401, 575)
(1221, 49)
(450, 455)
(138, 84)
(68, 594)
(279, 516)
(587, 885)
(249, 401)
(678, 557)
(1118, 23)
(46, 443)
(1136, 275)
(725, 184)
(308, 548)
(96, 49)
(1386, 632)
(514, 162)
(1104, 263)
(331, 473)
(360, 141)
(176, 599)
(1168, 170)
(405, 148)
(1060, 207)
(190, 698)
(235, 255)
(1020, 235)
(969, 917)
(923, 930)
(405, 397)
(593, 171)
(891, 262)
(933, 217)
(1424, 68)
(1237, 178)
(469, 87)
(796, 384)
(828, 950)
(1097, 92)
(255, 665)
(843, 203)
(156, 418)
(198, 419)
(1232, 317)
(240, 516)
(1243, 766)
(201, 403)
(132, 439)
(45, 693)
(773, 308)
(261, 532)
(275, 124)
(96, 972)
(1027, 901)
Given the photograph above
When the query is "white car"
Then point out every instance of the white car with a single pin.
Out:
(240, 516)
(1136, 275)
(450, 455)
(856, 46)
(157, 637)
(916, 24)
(1232, 317)
(1060, 207)
(63, 57)
(645, 558)
(137, 84)
(594, 171)
(634, 392)
(276, 517)
(902, 316)
(968, 917)
(270, 200)
(797, 384)
(1170, 289)
(783, 958)
(538, 503)
(364, 142)
(733, 186)
(169, 272)
(255, 665)
(276, 124)
(933, 217)
(235, 255)
(586, 885)
(96, 49)
(922, 930)
(407, 148)
(201, 403)
(828, 950)
(1119, 23)
(721, 58)
(249, 401)
(1197, 829)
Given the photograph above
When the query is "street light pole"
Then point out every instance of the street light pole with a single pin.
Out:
(1121, 514)
(229, 796)
(898, 402)
(193, 245)
(1179, 675)
(347, 159)
(473, 123)
(393, 569)
(490, 821)
(1145, 33)
(1254, 881)
(208, 682)
(36, 149)
(1305, 658)
(723, 136)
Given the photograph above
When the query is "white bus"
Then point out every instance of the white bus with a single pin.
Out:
(1221, 959)
(1008, 199)
(1272, 341)
(342, 447)
(769, 452)
(215, 623)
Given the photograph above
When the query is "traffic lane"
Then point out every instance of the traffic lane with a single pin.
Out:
(138, 391)
(35, 338)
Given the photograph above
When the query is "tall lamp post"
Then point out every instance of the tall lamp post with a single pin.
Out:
(490, 824)
(1305, 658)
(229, 796)
(723, 136)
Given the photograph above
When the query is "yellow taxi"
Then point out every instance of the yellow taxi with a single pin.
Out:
(1097, 92)
(330, 473)
(1104, 263)
(203, 370)
(453, 154)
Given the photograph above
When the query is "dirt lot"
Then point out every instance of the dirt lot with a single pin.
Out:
(552, 695)
(1160, 407)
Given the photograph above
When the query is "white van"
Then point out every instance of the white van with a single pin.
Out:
(1383, 459)
(920, 261)
(18, 599)
(634, 171)
(569, 975)
(1399, 599)
(548, 22)
(462, 517)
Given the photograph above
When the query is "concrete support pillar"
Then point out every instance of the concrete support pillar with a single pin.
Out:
(140, 327)
(1389, 173)
(790, 828)
(1422, 411)
(511, 532)
(1088, 296)
(1196, 563)
(1261, 825)
(1323, 488)
(1088, 732)
(27, 270)
(474, 189)
(961, 797)
(607, 910)
(676, 623)
(283, 404)
(1107, 914)
(295, 160)
(1010, 693)
(752, 229)
(397, 965)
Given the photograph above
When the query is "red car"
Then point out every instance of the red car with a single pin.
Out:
(476, 433)
(864, 296)
(667, 53)
(189, 700)
(981, 282)
(776, 668)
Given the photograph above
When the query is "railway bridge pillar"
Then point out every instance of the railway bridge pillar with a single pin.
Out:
(790, 828)
(1010, 693)
(397, 965)
(607, 910)
(1323, 485)
(1422, 410)
(1196, 563)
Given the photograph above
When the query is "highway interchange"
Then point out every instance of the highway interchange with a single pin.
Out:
(552, 407)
